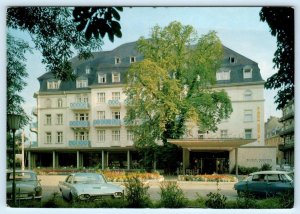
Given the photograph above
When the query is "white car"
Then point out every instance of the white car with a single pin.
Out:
(88, 186)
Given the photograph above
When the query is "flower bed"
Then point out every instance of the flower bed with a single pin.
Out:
(121, 176)
(208, 178)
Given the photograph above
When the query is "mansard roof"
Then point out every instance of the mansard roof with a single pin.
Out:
(104, 62)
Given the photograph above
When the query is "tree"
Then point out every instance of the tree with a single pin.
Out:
(57, 33)
(173, 86)
(281, 23)
(16, 72)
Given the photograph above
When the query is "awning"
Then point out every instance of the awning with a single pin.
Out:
(210, 144)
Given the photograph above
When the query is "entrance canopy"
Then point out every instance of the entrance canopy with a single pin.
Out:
(211, 144)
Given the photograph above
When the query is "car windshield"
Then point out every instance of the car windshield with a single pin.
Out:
(89, 178)
(21, 176)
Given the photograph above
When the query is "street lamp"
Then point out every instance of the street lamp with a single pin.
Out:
(13, 122)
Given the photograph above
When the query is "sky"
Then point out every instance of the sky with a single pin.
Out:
(239, 28)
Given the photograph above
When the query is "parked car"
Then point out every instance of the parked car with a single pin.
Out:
(88, 186)
(266, 183)
(27, 185)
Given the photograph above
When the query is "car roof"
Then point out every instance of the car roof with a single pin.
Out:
(270, 172)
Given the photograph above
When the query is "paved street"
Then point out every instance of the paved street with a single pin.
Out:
(191, 189)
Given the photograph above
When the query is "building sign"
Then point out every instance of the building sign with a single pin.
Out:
(258, 124)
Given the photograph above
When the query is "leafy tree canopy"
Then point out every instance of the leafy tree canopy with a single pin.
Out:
(281, 23)
(59, 31)
(172, 86)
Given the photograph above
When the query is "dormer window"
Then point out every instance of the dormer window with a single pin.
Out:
(117, 60)
(232, 60)
(101, 78)
(223, 75)
(87, 70)
(247, 72)
(132, 59)
(115, 77)
(53, 84)
(81, 83)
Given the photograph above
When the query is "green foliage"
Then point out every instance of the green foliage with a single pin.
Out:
(137, 195)
(172, 196)
(57, 33)
(242, 170)
(173, 85)
(281, 23)
(246, 200)
(266, 167)
(216, 200)
(16, 75)
(286, 200)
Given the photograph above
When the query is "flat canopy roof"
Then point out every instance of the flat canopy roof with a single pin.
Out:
(214, 144)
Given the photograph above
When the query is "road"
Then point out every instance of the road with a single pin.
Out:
(190, 189)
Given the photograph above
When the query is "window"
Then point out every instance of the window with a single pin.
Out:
(223, 75)
(132, 59)
(87, 70)
(82, 98)
(248, 95)
(82, 116)
(59, 118)
(247, 71)
(129, 135)
(48, 138)
(81, 83)
(48, 119)
(200, 134)
(101, 78)
(59, 137)
(115, 77)
(101, 97)
(59, 103)
(116, 135)
(248, 133)
(117, 60)
(232, 59)
(48, 103)
(116, 115)
(224, 134)
(81, 135)
(248, 116)
(100, 115)
(101, 136)
(115, 95)
(53, 84)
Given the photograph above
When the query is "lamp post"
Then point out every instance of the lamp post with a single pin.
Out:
(13, 122)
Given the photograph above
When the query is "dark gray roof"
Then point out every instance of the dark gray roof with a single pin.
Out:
(104, 62)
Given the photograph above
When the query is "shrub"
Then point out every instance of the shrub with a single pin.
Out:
(216, 200)
(172, 196)
(266, 167)
(137, 195)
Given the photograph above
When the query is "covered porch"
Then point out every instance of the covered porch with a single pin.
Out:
(200, 156)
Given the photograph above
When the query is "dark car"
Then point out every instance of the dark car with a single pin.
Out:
(265, 183)
(27, 185)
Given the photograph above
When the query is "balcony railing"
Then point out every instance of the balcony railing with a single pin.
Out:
(107, 122)
(79, 106)
(79, 124)
(34, 127)
(79, 143)
(114, 103)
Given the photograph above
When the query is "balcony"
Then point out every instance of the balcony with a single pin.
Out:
(114, 103)
(79, 106)
(34, 111)
(79, 143)
(34, 127)
(287, 130)
(107, 123)
(79, 124)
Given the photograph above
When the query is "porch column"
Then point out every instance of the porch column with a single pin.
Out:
(77, 159)
(236, 162)
(53, 160)
(29, 160)
(185, 159)
(102, 159)
(128, 159)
